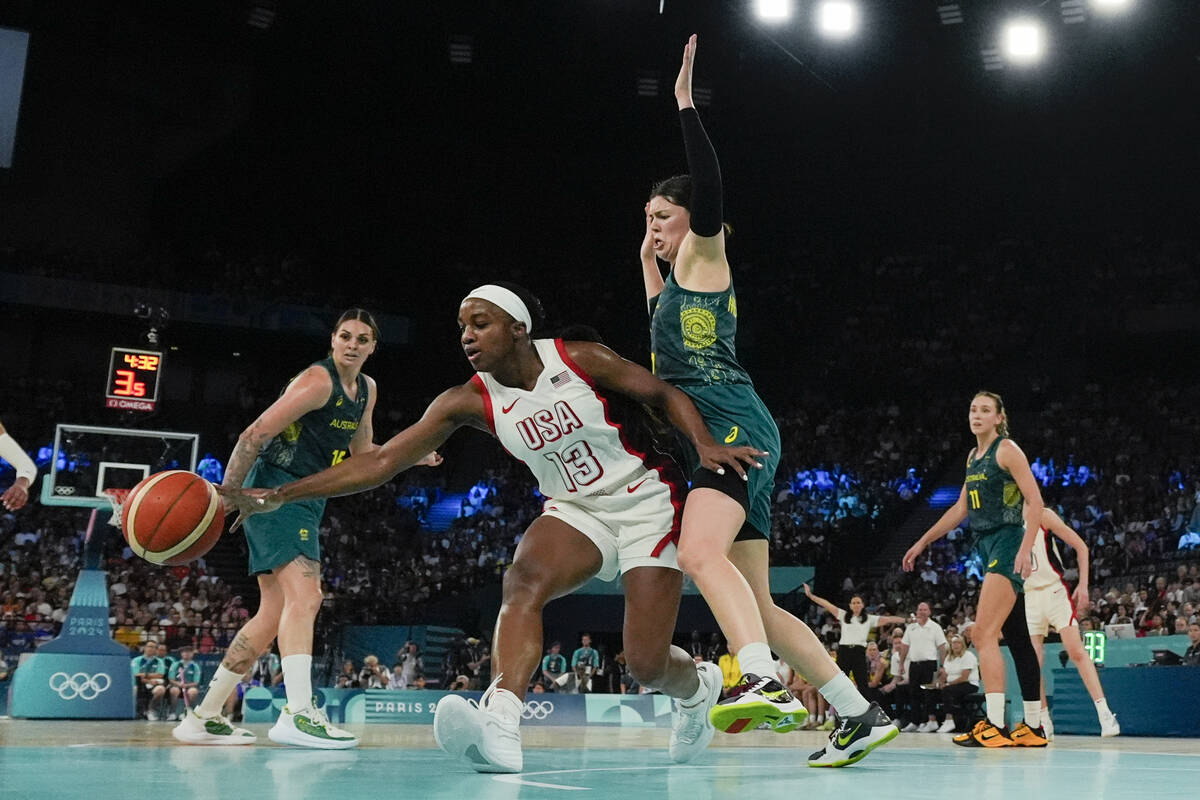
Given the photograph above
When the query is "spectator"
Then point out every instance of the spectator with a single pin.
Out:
(958, 677)
(149, 676)
(1191, 656)
(348, 677)
(410, 664)
(373, 675)
(584, 662)
(554, 666)
(184, 682)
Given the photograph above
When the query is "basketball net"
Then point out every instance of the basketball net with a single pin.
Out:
(116, 498)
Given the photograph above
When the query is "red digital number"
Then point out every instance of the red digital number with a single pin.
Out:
(127, 385)
(142, 362)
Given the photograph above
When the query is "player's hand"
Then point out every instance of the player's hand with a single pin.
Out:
(1082, 599)
(683, 83)
(17, 495)
(718, 458)
(249, 502)
(910, 558)
(808, 591)
(647, 251)
(1024, 563)
(434, 459)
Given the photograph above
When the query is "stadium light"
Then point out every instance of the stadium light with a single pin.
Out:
(837, 19)
(773, 10)
(1110, 7)
(1024, 41)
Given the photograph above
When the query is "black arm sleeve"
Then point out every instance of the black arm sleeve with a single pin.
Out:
(705, 173)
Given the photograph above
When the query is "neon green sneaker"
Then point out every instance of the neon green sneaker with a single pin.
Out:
(760, 700)
(309, 727)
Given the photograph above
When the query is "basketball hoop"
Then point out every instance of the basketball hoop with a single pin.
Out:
(116, 498)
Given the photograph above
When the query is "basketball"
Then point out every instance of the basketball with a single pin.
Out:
(172, 517)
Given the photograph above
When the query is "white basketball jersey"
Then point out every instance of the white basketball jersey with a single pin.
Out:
(1047, 565)
(560, 429)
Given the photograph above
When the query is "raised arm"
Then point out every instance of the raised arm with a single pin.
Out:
(609, 371)
(953, 517)
(701, 263)
(1011, 458)
(890, 620)
(1054, 523)
(823, 603)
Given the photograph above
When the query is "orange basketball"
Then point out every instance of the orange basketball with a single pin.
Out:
(172, 517)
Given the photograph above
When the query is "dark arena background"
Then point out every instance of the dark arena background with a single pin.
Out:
(926, 199)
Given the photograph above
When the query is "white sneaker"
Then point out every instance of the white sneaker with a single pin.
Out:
(195, 729)
(1047, 725)
(947, 726)
(309, 727)
(151, 715)
(692, 730)
(909, 728)
(1109, 726)
(929, 727)
(484, 738)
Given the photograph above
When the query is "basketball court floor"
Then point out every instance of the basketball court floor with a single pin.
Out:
(102, 760)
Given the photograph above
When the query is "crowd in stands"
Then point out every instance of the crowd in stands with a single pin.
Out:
(1115, 458)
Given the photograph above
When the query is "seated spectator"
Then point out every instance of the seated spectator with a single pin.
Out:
(149, 678)
(957, 678)
(184, 683)
(373, 675)
(554, 666)
(348, 677)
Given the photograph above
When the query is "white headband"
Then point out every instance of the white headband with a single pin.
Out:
(505, 299)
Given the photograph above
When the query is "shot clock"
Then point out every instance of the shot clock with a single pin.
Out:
(133, 379)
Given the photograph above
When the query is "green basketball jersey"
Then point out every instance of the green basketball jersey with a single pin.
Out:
(320, 438)
(993, 499)
(692, 336)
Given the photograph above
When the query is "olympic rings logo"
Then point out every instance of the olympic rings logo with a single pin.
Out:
(537, 709)
(81, 685)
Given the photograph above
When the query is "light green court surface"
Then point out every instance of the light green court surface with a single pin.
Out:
(103, 760)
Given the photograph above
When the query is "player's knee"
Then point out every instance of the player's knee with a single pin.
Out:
(694, 556)
(526, 585)
(647, 669)
(306, 604)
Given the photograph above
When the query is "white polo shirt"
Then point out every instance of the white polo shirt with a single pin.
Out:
(924, 640)
(955, 666)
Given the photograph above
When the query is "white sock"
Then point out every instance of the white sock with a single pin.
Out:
(995, 708)
(755, 658)
(297, 680)
(1102, 709)
(219, 688)
(843, 695)
(1033, 712)
(506, 704)
(698, 696)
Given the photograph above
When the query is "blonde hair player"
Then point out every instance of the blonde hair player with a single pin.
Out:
(1000, 497)
(612, 507)
(17, 495)
(323, 416)
(1048, 604)
(727, 522)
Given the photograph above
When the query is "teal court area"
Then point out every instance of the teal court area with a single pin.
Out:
(102, 760)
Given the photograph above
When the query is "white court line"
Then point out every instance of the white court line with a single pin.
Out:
(86, 744)
(520, 780)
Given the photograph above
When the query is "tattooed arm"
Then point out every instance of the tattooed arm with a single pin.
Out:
(308, 391)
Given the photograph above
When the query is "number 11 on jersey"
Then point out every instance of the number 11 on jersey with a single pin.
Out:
(974, 495)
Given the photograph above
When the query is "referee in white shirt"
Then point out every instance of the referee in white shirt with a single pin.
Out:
(923, 649)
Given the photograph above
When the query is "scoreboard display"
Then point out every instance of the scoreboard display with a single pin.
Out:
(133, 377)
